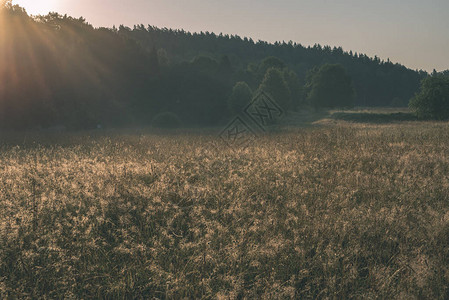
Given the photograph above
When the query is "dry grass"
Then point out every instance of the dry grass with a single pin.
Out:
(346, 211)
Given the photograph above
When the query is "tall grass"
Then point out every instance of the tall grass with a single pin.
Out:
(348, 211)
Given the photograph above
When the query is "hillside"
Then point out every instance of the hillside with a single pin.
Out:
(378, 82)
(61, 70)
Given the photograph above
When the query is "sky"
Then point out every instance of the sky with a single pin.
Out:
(411, 32)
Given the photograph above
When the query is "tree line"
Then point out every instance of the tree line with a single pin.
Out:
(56, 69)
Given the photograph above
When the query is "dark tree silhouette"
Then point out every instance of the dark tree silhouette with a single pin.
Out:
(329, 87)
(241, 96)
(59, 70)
(432, 102)
(275, 85)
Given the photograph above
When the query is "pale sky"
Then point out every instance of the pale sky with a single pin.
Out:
(414, 33)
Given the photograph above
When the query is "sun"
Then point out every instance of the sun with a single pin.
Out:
(41, 7)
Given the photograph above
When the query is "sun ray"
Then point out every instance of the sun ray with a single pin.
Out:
(48, 56)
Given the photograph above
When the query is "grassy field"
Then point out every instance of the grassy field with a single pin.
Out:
(346, 210)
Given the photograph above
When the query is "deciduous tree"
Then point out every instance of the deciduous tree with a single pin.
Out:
(329, 87)
(432, 102)
(241, 96)
(276, 86)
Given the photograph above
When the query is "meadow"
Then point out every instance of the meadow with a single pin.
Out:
(337, 210)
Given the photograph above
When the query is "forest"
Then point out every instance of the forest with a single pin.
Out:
(57, 70)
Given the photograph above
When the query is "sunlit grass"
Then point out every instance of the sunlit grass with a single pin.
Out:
(348, 211)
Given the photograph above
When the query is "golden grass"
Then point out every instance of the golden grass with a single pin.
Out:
(345, 211)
